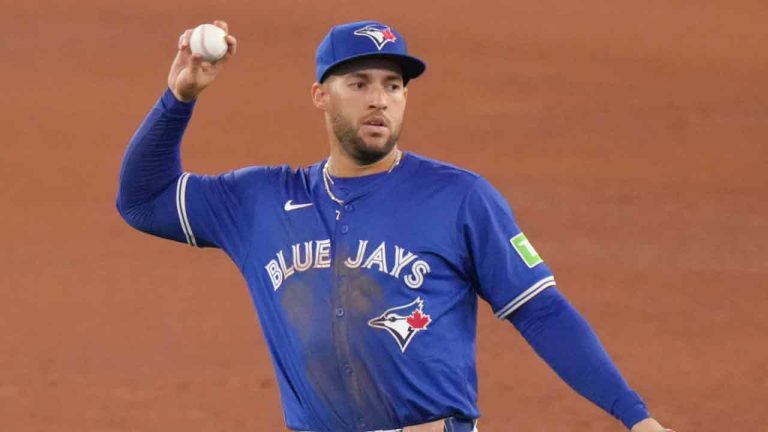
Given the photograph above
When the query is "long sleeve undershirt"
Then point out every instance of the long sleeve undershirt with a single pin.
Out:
(555, 330)
(151, 166)
(564, 339)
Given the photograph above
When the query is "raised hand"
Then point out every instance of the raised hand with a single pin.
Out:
(190, 74)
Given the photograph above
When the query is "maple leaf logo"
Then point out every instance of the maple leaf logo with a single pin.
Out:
(418, 320)
(388, 35)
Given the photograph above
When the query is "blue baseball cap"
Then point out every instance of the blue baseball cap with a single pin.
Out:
(363, 39)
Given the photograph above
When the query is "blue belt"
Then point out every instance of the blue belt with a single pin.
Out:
(456, 424)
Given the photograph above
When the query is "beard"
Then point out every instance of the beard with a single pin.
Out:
(356, 147)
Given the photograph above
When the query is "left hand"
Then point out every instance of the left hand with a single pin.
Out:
(649, 425)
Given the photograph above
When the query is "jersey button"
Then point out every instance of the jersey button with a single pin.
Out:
(349, 207)
(348, 369)
(344, 229)
(339, 312)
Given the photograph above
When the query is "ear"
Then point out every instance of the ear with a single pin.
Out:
(320, 96)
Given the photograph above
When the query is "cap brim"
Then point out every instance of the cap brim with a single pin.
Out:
(411, 66)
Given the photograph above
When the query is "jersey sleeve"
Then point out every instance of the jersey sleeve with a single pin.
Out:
(156, 197)
(505, 268)
(219, 211)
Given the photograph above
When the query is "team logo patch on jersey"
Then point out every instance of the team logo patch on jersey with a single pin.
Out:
(403, 322)
(378, 34)
(526, 251)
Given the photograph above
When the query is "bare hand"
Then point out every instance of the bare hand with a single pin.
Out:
(190, 74)
(649, 425)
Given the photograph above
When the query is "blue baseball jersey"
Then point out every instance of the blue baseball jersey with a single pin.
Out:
(369, 308)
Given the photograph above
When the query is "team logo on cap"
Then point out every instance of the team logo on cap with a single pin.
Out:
(403, 322)
(380, 35)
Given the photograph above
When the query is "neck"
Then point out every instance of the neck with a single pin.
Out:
(341, 164)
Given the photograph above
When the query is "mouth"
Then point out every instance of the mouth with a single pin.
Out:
(376, 122)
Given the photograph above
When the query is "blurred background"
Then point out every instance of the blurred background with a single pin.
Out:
(629, 137)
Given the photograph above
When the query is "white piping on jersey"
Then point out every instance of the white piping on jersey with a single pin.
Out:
(181, 208)
(525, 296)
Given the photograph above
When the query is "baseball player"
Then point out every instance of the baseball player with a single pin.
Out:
(365, 268)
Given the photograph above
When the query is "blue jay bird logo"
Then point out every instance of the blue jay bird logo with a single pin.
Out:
(403, 322)
(380, 35)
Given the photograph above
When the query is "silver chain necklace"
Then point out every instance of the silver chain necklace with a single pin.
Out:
(328, 181)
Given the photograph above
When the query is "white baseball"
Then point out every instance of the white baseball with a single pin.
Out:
(208, 41)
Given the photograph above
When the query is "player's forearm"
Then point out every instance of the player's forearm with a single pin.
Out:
(561, 336)
(152, 161)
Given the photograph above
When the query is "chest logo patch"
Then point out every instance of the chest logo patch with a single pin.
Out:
(403, 322)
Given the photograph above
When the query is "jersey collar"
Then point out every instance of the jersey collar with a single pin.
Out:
(407, 163)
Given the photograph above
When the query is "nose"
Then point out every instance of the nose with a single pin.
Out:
(377, 98)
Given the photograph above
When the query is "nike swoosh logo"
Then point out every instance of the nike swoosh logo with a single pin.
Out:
(289, 206)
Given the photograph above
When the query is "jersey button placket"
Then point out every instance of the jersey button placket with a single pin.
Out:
(344, 244)
(361, 422)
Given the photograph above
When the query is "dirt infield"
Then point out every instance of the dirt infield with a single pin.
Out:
(626, 137)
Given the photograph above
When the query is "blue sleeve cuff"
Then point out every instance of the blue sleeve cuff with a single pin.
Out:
(175, 107)
(630, 409)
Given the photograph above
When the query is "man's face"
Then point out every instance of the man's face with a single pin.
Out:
(365, 103)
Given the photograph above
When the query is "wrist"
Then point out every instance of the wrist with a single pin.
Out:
(185, 98)
(630, 409)
(173, 106)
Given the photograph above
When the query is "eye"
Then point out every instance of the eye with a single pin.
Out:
(358, 85)
(395, 86)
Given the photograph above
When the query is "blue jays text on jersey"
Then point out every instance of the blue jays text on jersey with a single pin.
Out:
(368, 308)
(303, 255)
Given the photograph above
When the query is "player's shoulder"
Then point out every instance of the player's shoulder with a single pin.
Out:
(436, 168)
(444, 173)
(263, 178)
(461, 182)
(256, 173)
